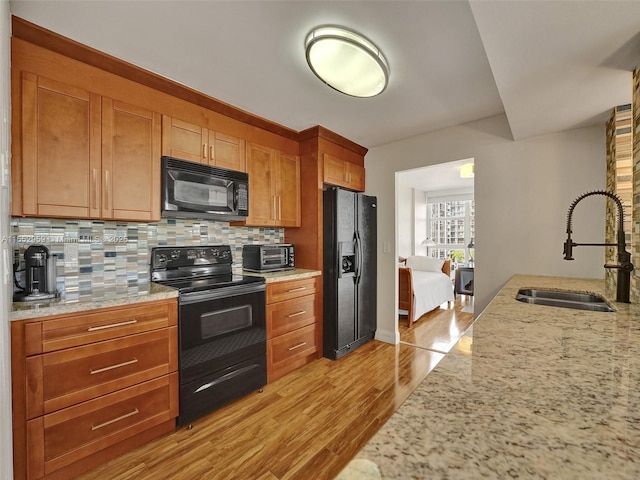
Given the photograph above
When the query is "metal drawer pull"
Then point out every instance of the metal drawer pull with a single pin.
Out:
(112, 325)
(123, 364)
(299, 289)
(302, 312)
(121, 417)
(297, 346)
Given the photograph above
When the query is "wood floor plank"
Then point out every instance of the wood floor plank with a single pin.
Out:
(306, 425)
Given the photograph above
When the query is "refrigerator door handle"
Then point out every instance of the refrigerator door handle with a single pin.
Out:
(359, 254)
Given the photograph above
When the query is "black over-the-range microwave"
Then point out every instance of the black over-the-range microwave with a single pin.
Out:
(196, 190)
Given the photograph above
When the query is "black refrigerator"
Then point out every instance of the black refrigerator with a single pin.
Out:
(350, 270)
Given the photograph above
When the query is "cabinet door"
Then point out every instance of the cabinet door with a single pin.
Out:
(334, 171)
(262, 201)
(130, 162)
(61, 149)
(59, 439)
(226, 151)
(184, 140)
(287, 187)
(355, 177)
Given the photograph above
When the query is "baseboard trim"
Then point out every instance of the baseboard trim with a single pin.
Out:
(388, 337)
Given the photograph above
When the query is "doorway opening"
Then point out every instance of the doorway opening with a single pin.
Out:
(435, 212)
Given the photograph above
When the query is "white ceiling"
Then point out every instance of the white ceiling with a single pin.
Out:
(549, 65)
(442, 176)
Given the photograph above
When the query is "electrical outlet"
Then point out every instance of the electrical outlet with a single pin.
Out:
(386, 247)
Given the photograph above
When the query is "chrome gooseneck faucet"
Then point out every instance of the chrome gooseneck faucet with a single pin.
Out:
(624, 265)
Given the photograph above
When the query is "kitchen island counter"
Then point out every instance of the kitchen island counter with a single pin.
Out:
(529, 391)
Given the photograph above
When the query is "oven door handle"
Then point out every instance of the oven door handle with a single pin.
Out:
(218, 293)
(225, 377)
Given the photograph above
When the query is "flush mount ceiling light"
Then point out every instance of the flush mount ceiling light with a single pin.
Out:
(346, 61)
(467, 170)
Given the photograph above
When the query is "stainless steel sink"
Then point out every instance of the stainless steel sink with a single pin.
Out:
(565, 299)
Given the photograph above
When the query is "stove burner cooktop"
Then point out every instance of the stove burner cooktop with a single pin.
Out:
(194, 269)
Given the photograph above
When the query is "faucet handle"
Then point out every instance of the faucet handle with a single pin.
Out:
(568, 249)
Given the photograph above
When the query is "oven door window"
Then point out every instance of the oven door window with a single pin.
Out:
(207, 320)
(274, 257)
(221, 322)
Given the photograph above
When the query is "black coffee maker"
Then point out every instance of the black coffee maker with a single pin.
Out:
(40, 273)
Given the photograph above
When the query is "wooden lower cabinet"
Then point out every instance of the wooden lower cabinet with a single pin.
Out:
(294, 334)
(89, 386)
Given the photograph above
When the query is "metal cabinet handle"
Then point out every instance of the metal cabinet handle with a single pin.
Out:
(279, 207)
(105, 369)
(204, 150)
(299, 289)
(106, 193)
(114, 420)
(275, 212)
(211, 152)
(94, 181)
(297, 346)
(112, 325)
(302, 312)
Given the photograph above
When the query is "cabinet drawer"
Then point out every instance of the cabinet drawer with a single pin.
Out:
(61, 438)
(60, 379)
(284, 317)
(290, 346)
(84, 328)
(280, 291)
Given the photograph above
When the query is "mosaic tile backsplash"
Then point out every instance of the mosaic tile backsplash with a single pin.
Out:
(101, 259)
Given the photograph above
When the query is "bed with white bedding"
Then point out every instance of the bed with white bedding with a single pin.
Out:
(424, 284)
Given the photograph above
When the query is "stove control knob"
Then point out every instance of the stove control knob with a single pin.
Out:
(175, 254)
(161, 259)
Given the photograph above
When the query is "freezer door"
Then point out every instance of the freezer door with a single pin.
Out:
(346, 295)
(366, 285)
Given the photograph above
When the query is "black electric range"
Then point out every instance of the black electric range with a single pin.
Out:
(221, 326)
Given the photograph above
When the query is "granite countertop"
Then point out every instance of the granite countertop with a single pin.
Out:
(529, 391)
(284, 275)
(104, 298)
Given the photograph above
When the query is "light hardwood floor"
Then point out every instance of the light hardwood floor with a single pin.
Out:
(307, 425)
(441, 328)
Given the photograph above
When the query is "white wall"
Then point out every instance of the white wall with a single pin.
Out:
(6, 449)
(412, 221)
(523, 190)
(419, 221)
(405, 221)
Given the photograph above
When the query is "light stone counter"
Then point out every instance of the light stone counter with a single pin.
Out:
(146, 292)
(285, 275)
(529, 392)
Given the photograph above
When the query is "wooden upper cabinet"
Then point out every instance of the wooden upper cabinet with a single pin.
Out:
(188, 141)
(227, 151)
(60, 149)
(87, 156)
(183, 140)
(343, 174)
(274, 187)
(130, 162)
(287, 190)
(261, 200)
